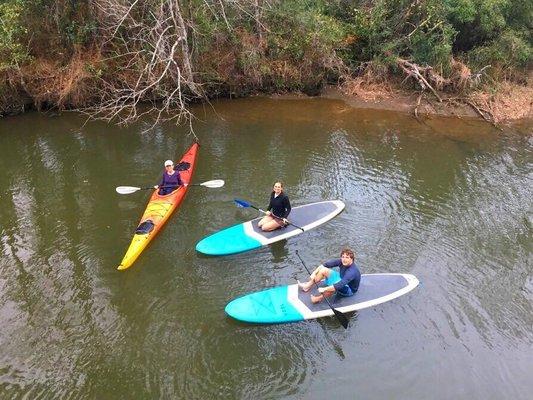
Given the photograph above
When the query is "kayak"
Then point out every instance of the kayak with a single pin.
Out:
(290, 303)
(159, 209)
(247, 236)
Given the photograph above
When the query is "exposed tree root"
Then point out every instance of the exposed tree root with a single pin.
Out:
(416, 72)
(418, 105)
(460, 79)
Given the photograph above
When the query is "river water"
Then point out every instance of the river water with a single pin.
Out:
(449, 200)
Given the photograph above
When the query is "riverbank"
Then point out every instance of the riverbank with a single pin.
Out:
(509, 104)
(506, 104)
(106, 58)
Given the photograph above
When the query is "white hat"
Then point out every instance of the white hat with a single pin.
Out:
(168, 162)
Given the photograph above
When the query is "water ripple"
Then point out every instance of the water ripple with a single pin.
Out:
(453, 207)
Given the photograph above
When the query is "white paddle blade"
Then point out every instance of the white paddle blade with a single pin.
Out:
(213, 184)
(127, 189)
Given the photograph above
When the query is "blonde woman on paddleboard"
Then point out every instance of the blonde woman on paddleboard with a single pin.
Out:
(278, 210)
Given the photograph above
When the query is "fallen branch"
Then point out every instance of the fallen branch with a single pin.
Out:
(488, 118)
(414, 71)
(483, 113)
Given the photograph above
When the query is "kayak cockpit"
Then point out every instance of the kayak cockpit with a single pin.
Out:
(145, 228)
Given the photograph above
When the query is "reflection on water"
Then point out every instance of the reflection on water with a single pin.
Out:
(449, 201)
(279, 250)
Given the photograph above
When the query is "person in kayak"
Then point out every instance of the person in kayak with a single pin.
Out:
(170, 181)
(278, 210)
(344, 284)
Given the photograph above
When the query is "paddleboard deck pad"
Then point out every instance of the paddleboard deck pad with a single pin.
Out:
(248, 235)
(291, 304)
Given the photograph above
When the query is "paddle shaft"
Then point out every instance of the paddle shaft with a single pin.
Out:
(164, 187)
(340, 316)
(276, 217)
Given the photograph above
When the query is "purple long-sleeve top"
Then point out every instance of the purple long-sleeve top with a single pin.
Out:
(170, 182)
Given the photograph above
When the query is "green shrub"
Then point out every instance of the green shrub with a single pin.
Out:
(12, 49)
(507, 50)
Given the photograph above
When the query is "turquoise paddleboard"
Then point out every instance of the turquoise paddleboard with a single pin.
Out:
(248, 235)
(290, 304)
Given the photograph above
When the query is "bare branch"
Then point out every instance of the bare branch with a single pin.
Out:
(148, 43)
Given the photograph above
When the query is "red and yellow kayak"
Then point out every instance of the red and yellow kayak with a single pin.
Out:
(159, 210)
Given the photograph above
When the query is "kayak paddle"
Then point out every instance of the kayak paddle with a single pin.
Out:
(245, 204)
(216, 183)
(340, 316)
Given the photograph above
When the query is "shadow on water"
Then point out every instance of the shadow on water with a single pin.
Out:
(331, 324)
(279, 251)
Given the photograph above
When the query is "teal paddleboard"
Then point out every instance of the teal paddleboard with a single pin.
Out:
(290, 304)
(248, 235)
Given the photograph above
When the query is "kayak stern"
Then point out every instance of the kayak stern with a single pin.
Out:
(137, 245)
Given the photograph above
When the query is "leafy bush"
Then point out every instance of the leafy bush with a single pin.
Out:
(12, 49)
(433, 32)
(508, 51)
(239, 46)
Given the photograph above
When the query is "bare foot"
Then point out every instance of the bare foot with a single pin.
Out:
(304, 286)
(316, 299)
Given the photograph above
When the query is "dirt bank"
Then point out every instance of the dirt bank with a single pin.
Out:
(505, 105)
(509, 103)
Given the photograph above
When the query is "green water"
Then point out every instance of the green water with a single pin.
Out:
(448, 200)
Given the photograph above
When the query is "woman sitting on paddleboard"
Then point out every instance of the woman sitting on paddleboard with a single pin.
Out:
(170, 181)
(346, 286)
(277, 211)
